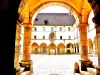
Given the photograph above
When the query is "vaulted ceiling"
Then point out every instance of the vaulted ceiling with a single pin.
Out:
(28, 8)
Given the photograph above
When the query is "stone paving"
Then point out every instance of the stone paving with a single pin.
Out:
(55, 64)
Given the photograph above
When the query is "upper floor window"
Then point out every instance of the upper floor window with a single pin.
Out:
(68, 28)
(35, 29)
(60, 28)
(34, 36)
(43, 37)
(69, 37)
(52, 28)
(43, 28)
(60, 37)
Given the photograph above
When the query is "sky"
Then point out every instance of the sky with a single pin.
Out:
(54, 9)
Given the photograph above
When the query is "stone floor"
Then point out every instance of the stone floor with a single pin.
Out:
(55, 64)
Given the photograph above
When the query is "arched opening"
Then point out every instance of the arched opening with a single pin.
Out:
(91, 30)
(35, 48)
(60, 48)
(69, 48)
(52, 48)
(90, 46)
(72, 10)
(95, 45)
(43, 48)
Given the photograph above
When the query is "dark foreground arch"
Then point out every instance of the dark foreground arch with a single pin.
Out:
(8, 18)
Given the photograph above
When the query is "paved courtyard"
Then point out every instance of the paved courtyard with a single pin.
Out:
(55, 64)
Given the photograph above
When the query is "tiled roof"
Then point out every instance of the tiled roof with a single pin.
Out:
(54, 19)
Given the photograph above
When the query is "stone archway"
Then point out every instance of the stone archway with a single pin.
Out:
(60, 48)
(52, 48)
(43, 48)
(35, 48)
(43, 5)
(69, 48)
(61, 1)
(90, 46)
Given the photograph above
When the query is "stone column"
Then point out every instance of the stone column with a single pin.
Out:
(85, 62)
(17, 47)
(83, 41)
(98, 48)
(77, 49)
(65, 49)
(26, 61)
(56, 51)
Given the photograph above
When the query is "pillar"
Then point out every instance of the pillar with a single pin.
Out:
(56, 51)
(65, 50)
(85, 62)
(26, 61)
(17, 47)
(83, 41)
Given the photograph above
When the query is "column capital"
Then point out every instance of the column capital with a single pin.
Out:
(27, 24)
(83, 25)
(27, 27)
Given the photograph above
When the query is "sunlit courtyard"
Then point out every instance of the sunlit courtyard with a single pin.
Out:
(56, 64)
(52, 36)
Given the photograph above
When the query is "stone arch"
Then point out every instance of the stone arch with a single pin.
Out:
(43, 5)
(91, 25)
(52, 48)
(90, 16)
(90, 46)
(35, 48)
(60, 48)
(43, 48)
(69, 48)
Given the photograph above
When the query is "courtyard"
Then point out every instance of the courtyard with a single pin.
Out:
(56, 64)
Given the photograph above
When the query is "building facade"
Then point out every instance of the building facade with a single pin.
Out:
(66, 37)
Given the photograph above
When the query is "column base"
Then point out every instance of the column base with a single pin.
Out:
(17, 68)
(98, 70)
(27, 64)
(85, 64)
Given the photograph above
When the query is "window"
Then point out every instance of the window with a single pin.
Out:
(69, 37)
(60, 37)
(34, 36)
(52, 28)
(60, 28)
(68, 28)
(43, 28)
(35, 29)
(43, 37)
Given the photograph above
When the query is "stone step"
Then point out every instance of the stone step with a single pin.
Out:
(26, 73)
(85, 73)
(92, 70)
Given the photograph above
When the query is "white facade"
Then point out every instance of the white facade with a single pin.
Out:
(67, 35)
